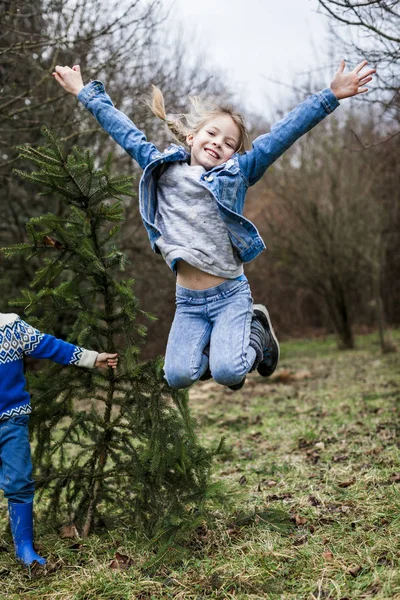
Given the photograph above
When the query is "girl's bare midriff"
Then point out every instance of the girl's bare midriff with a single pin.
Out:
(194, 279)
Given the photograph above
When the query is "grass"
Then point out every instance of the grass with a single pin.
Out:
(313, 466)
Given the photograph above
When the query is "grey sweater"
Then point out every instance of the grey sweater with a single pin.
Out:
(190, 225)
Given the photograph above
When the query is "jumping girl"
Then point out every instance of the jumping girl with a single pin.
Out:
(191, 202)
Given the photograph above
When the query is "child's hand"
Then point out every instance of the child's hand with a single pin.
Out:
(349, 84)
(69, 79)
(105, 360)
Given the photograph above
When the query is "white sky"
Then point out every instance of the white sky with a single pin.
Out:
(251, 40)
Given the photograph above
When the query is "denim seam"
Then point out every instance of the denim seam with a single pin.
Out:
(233, 291)
(326, 106)
(222, 295)
(326, 102)
(195, 371)
(237, 237)
(246, 363)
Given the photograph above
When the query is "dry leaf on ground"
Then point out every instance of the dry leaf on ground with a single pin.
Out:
(299, 520)
(120, 562)
(69, 531)
(345, 484)
(354, 570)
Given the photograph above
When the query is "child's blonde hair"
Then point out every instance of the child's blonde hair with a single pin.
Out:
(182, 124)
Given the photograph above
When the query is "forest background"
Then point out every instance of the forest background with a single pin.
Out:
(328, 209)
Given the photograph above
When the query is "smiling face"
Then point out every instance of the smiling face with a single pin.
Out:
(214, 143)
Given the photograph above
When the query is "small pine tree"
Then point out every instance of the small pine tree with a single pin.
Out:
(120, 439)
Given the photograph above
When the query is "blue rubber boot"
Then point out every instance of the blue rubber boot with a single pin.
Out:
(21, 523)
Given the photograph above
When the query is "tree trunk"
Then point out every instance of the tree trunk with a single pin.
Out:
(340, 317)
(385, 339)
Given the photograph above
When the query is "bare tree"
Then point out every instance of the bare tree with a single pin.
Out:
(328, 223)
(34, 38)
(371, 28)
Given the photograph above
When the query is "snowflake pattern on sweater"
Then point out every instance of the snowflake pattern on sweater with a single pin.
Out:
(17, 341)
(18, 338)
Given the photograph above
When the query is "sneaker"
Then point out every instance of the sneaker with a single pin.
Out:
(271, 351)
(237, 386)
(206, 375)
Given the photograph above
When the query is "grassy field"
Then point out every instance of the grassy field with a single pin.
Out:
(313, 464)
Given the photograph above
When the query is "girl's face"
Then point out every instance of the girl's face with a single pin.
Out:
(214, 143)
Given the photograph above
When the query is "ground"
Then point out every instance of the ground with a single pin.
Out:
(311, 464)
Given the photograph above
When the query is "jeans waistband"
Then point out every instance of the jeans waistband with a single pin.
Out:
(227, 286)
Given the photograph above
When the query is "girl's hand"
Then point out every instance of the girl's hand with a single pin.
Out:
(349, 84)
(105, 360)
(69, 79)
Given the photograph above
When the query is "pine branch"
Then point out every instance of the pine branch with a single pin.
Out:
(124, 430)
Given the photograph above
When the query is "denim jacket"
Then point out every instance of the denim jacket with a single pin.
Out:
(228, 182)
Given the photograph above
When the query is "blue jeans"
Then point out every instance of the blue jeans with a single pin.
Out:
(220, 316)
(15, 460)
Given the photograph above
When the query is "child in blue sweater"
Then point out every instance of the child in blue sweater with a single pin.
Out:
(17, 339)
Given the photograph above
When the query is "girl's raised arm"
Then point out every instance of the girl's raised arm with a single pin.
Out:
(270, 146)
(99, 104)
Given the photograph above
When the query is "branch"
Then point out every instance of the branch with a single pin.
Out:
(360, 23)
(348, 5)
(366, 146)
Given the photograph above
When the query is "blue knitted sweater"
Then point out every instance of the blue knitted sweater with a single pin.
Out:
(18, 338)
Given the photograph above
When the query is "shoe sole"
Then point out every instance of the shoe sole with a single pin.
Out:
(206, 376)
(237, 386)
(262, 313)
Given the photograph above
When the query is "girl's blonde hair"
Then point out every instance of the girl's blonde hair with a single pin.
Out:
(182, 124)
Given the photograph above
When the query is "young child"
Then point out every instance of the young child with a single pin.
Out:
(191, 202)
(17, 339)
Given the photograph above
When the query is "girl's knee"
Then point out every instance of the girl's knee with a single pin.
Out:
(178, 380)
(178, 383)
(181, 373)
(227, 375)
